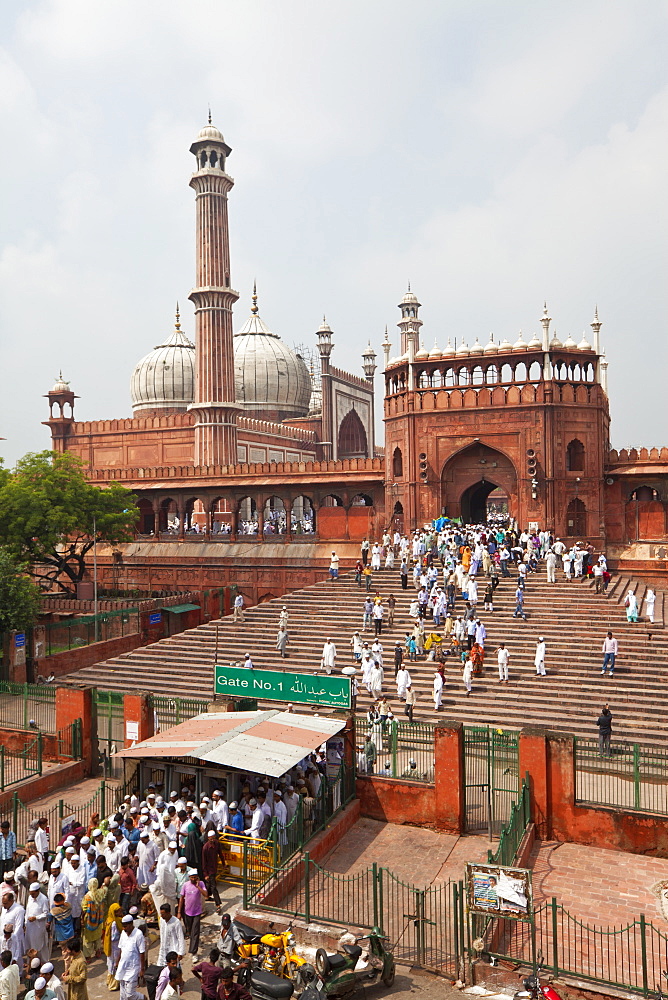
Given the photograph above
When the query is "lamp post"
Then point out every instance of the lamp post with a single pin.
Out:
(95, 578)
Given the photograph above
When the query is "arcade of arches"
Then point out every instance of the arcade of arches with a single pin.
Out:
(471, 476)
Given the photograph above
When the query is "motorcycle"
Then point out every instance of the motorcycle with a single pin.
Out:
(338, 974)
(280, 957)
(266, 986)
(533, 989)
(247, 953)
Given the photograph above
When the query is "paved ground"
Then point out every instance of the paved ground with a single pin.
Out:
(598, 886)
(411, 853)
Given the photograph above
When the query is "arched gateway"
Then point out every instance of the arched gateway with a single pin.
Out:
(470, 476)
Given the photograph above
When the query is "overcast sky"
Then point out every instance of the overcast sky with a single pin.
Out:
(494, 154)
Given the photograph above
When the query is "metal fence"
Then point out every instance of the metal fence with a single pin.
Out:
(629, 957)
(65, 635)
(424, 925)
(17, 765)
(70, 740)
(170, 712)
(21, 704)
(110, 731)
(513, 832)
(491, 784)
(627, 776)
(403, 750)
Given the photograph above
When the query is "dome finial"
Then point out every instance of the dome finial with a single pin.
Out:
(177, 321)
(409, 284)
(209, 114)
(254, 309)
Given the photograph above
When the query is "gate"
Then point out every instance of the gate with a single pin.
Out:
(491, 783)
(110, 731)
(424, 926)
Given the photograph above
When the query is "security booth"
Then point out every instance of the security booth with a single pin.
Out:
(234, 751)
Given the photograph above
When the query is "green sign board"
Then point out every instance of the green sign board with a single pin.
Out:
(281, 685)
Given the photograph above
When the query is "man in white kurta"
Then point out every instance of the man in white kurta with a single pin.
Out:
(403, 679)
(9, 980)
(171, 935)
(53, 983)
(131, 960)
(281, 814)
(147, 855)
(76, 876)
(329, 656)
(539, 658)
(438, 690)
(164, 889)
(291, 802)
(36, 933)
(57, 883)
(221, 814)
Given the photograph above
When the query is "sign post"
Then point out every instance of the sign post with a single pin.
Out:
(283, 685)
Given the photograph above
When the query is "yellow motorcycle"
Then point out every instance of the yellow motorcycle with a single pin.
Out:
(280, 957)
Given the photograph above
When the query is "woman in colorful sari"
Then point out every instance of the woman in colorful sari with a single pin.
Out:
(60, 919)
(92, 919)
(112, 931)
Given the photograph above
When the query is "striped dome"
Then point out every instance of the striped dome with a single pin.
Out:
(165, 378)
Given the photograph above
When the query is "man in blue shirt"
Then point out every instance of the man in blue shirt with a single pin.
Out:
(236, 824)
(7, 848)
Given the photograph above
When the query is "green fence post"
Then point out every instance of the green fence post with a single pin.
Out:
(307, 889)
(15, 810)
(643, 952)
(103, 797)
(555, 939)
(300, 822)
(393, 736)
(636, 776)
(25, 706)
(39, 753)
(374, 876)
(455, 925)
(2, 768)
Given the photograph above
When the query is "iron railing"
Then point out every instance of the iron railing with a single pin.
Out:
(403, 750)
(17, 765)
(629, 957)
(87, 629)
(627, 776)
(70, 740)
(170, 712)
(512, 833)
(21, 704)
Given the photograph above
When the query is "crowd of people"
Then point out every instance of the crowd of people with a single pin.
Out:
(455, 571)
(108, 888)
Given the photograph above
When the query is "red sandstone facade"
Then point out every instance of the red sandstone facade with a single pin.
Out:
(530, 419)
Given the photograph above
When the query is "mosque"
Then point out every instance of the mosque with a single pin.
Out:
(239, 438)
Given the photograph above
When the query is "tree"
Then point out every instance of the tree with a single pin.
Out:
(50, 517)
(19, 596)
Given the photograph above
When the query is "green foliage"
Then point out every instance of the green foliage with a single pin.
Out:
(49, 515)
(19, 596)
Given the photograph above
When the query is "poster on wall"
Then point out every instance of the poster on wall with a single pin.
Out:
(499, 891)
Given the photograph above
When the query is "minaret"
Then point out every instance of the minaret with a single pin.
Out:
(410, 323)
(601, 363)
(215, 407)
(61, 424)
(387, 347)
(545, 321)
(324, 335)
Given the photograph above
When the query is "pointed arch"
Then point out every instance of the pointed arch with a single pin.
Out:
(352, 442)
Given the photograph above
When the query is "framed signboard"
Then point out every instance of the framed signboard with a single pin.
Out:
(499, 891)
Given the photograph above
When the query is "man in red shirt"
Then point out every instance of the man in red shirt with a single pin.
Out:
(211, 853)
(229, 990)
(209, 974)
(128, 884)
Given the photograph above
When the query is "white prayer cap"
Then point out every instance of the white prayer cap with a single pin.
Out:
(182, 861)
(34, 887)
(192, 871)
(111, 839)
(233, 805)
(35, 963)
(155, 826)
(47, 968)
(126, 798)
(133, 811)
(190, 804)
(173, 795)
(202, 805)
(172, 843)
(113, 825)
(215, 792)
(97, 832)
(211, 833)
(9, 875)
(127, 919)
(55, 864)
(84, 840)
(69, 850)
(40, 983)
(144, 833)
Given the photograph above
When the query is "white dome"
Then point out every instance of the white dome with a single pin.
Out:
(555, 343)
(584, 344)
(505, 345)
(60, 385)
(270, 380)
(477, 348)
(435, 351)
(462, 350)
(165, 378)
(520, 344)
(569, 343)
(422, 353)
(491, 347)
(448, 351)
(535, 343)
(210, 132)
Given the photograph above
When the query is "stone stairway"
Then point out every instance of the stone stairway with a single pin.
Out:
(571, 616)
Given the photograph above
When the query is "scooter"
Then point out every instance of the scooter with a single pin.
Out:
(533, 989)
(338, 975)
(266, 986)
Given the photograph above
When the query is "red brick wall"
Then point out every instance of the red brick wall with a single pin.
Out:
(55, 779)
(16, 740)
(84, 656)
(77, 703)
(136, 708)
